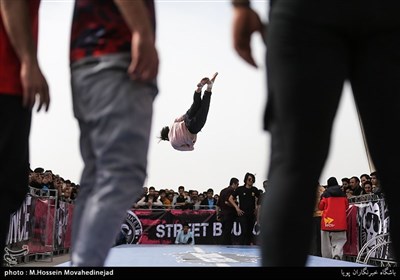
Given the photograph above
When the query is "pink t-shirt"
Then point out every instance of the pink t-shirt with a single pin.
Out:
(180, 137)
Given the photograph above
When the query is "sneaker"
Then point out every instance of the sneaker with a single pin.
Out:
(337, 258)
(203, 82)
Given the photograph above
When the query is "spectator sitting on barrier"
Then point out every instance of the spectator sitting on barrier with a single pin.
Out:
(185, 236)
(209, 202)
(349, 192)
(58, 183)
(66, 191)
(150, 200)
(168, 200)
(74, 191)
(163, 196)
(144, 193)
(47, 179)
(182, 200)
(364, 178)
(355, 185)
(376, 184)
(47, 182)
(345, 183)
(216, 197)
(201, 197)
(367, 188)
(194, 201)
(36, 178)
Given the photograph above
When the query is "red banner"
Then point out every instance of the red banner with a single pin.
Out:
(41, 238)
(162, 226)
(351, 246)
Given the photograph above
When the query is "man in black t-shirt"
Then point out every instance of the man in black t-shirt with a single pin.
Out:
(227, 214)
(246, 210)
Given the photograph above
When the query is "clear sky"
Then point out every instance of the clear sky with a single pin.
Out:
(193, 40)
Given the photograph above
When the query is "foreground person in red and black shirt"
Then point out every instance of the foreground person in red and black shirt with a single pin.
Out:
(21, 85)
(114, 65)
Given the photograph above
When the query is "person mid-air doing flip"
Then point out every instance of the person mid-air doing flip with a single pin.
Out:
(182, 134)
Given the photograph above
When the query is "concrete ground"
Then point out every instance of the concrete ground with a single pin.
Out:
(140, 255)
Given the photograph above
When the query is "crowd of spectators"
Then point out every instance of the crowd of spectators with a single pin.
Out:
(181, 199)
(42, 181)
(45, 183)
(362, 187)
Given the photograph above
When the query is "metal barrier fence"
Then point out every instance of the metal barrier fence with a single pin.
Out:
(42, 228)
(31, 235)
(368, 230)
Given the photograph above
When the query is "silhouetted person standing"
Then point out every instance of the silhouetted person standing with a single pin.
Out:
(313, 48)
